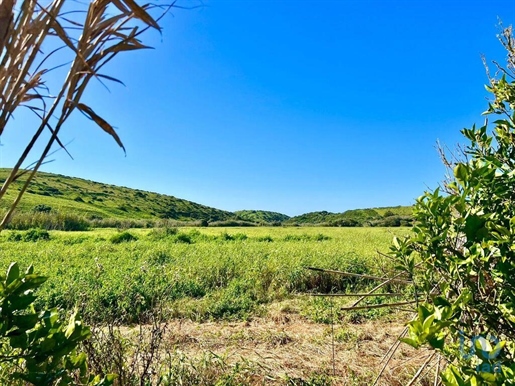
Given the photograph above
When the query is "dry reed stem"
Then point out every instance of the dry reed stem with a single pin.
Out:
(92, 42)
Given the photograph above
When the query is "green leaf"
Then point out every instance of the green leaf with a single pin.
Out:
(25, 322)
(427, 323)
(412, 342)
(21, 302)
(32, 281)
(29, 270)
(461, 172)
(436, 343)
(473, 225)
(19, 341)
(13, 273)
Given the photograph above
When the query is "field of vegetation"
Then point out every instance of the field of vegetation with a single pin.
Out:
(226, 299)
(201, 273)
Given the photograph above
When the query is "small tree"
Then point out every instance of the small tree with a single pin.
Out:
(461, 253)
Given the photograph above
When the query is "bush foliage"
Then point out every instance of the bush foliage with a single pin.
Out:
(463, 243)
(39, 348)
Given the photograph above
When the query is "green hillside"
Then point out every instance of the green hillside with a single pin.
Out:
(96, 200)
(261, 216)
(395, 210)
(60, 200)
(349, 218)
(384, 216)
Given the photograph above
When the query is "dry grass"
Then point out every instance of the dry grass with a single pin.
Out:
(284, 347)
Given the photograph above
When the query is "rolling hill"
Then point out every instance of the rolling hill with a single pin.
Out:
(95, 200)
(261, 216)
(385, 216)
(96, 203)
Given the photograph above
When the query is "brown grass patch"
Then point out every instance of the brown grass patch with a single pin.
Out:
(291, 347)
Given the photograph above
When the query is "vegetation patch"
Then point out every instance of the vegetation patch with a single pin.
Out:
(123, 237)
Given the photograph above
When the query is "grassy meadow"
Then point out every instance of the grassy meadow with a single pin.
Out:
(223, 306)
(197, 273)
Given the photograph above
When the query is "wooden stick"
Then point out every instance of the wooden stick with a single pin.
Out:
(359, 275)
(351, 295)
(377, 306)
(421, 369)
(381, 285)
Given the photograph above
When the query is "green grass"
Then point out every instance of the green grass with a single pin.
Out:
(202, 274)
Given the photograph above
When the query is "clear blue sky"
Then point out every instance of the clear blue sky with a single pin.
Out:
(289, 106)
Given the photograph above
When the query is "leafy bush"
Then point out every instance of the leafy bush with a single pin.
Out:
(463, 242)
(183, 238)
(306, 237)
(123, 237)
(42, 208)
(36, 234)
(39, 348)
(14, 236)
(30, 235)
(162, 233)
(267, 239)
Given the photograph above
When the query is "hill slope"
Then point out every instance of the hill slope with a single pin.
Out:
(385, 216)
(261, 216)
(97, 200)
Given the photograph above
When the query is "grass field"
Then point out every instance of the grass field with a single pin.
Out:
(201, 274)
(227, 306)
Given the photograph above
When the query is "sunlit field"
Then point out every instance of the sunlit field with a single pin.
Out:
(197, 273)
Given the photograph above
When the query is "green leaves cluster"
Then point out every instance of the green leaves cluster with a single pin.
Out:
(39, 348)
(461, 253)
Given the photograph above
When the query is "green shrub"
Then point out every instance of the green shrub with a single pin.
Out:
(240, 236)
(42, 208)
(30, 235)
(14, 236)
(123, 237)
(183, 238)
(39, 348)
(464, 242)
(162, 233)
(266, 239)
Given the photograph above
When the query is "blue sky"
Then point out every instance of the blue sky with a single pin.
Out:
(289, 106)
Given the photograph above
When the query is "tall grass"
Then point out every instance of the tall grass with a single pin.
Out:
(49, 221)
(201, 273)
